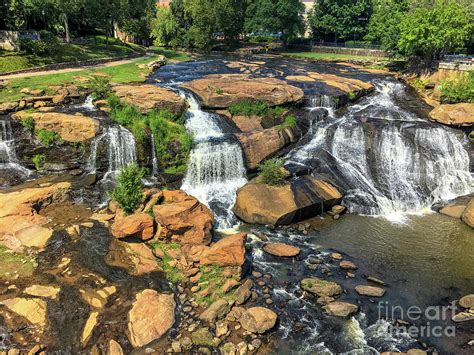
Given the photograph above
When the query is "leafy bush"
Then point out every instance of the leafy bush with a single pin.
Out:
(255, 108)
(100, 86)
(172, 142)
(271, 172)
(261, 39)
(290, 122)
(38, 160)
(249, 108)
(114, 102)
(48, 44)
(128, 192)
(28, 123)
(47, 137)
(458, 90)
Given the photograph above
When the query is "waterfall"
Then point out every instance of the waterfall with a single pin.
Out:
(120, 147)
(154, 159)
(87, 105)
(389, 161)
(8, 158)
(216, 167)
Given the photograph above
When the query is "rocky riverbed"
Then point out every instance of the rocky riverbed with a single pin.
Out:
(226, 263)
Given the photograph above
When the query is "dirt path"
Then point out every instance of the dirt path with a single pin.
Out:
(69, 70)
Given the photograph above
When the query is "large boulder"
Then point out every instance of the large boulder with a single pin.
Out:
(281, 249)
(21, 226)
(260, 145)
(454, 114)
(71, 128)
(183, 219)
(33, 309)
(151, 97)
(229, 251)
(468, 214)
(341, 309)
(151, 316)
(296, 200)
(258, 319)
(139, 225)
(222, 90)
(320, 287)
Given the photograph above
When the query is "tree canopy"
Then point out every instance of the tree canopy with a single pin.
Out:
(340, 19)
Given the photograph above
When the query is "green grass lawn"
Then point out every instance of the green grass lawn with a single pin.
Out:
(331, 56)
(95, 48)
(123, 73)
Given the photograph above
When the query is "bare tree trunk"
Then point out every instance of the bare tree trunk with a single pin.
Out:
(66, 28)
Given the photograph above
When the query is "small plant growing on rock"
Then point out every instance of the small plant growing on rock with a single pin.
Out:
(100, 87)
(351, 95)
(47, 137)
(271, 172)
(38, 160)
(219, 91)
(29, 124)
(129, 190)
(290, 122)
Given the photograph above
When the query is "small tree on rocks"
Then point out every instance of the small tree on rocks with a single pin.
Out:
(129, 190)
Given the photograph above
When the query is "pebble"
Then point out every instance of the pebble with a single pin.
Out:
(237, 327)
(256, 343)
(376, 280)
(336, 256)
(267, 276)
(187, 309)
(315, 260)
(256, 274)
(261, 283)
(195, 289)
(269, 301)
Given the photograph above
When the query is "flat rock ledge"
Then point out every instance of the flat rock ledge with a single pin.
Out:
(151, 316)
(296, 200)
(219, 91)
(454, 114)
(71, 128)
(151, 97)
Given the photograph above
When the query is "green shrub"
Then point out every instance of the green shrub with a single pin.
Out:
(351, 95)
(100, 87)
(219, 91)
(114, 102)
(289, 122)
(249, 108)
(38, 160)
(28, 123)
(128, 192)
(172, 142)
(271, 172)
(47, 137)
(48, 44)
(458, 90)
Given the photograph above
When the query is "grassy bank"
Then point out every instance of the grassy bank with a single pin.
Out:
(94, 48)
(123, 73)
(332, 56)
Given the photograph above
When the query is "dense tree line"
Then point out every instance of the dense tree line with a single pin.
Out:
(83, 16)
(427, 28)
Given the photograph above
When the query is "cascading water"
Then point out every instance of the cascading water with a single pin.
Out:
(216, 168)
(154, 158)
(389, 161)
(8, 158)
(120, 147)
(87, 105)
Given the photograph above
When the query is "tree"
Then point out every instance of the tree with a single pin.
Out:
(384, 23)
(278, 16)
(137, 17)
(340, 19)
(68, 9)
(198, 23)
(431, 31)
(104, 14)
(13, 14)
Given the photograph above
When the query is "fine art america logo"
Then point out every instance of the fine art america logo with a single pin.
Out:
(419, 322)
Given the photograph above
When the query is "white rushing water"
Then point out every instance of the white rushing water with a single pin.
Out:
(120, 147)
(216, 168)
(392, 162)
(87, 104)
(8, 157)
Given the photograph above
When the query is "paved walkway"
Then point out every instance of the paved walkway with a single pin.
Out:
(69, 70)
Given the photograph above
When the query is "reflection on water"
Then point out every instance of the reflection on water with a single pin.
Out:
(428, 254)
